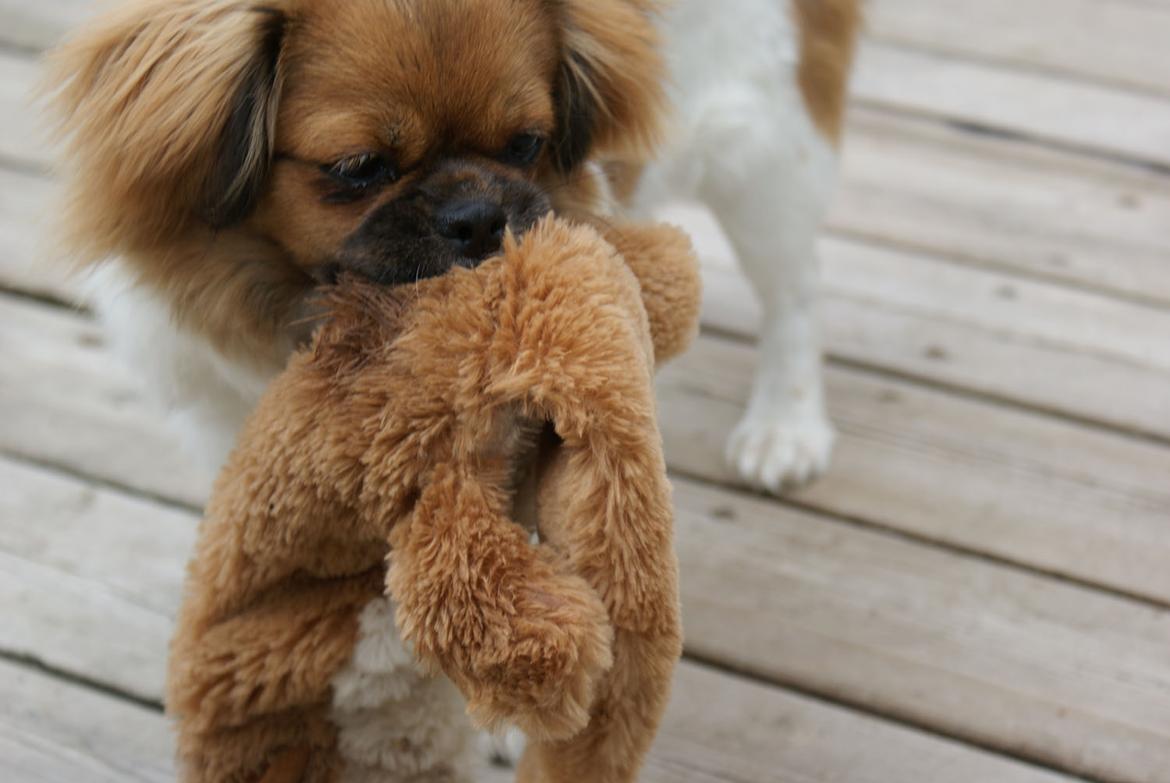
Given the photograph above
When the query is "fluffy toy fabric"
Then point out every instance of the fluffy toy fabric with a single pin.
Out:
(399, 467)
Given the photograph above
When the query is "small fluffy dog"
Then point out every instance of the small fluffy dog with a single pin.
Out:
(226, 158)
(231, 156)
(759, 88)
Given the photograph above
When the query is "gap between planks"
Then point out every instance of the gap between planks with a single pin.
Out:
(1074, 352)
(1070, 108)
(1040, 492)
(1113, 43)
(719, 727)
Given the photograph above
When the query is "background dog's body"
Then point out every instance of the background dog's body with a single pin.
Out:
(759, 92)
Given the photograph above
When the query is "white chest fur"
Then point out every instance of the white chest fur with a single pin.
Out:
(396, 723)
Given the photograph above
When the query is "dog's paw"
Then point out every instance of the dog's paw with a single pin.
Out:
(777, 452)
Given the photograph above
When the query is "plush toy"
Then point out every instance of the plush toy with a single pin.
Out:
(453, 504)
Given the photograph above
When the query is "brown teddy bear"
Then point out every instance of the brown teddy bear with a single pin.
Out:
(453, 504)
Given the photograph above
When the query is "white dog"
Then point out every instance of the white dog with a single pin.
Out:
(759, 90)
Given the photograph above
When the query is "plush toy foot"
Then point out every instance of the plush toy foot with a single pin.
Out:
(543, 680)
(774, 452)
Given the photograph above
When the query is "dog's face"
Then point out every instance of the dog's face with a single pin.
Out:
(415, 145)
(239, 154)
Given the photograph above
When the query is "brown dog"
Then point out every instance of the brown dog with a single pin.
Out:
(230, 156)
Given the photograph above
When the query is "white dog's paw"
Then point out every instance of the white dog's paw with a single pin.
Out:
(776, 452)
(505, 747)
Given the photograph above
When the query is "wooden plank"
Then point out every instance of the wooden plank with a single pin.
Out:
(23, 136)
(1005, 205)
(1011, 660)
(73, 555)
(29, 262)
(1025, 488)
(84, 431)
(1068, 351)
(1112, 41)
(1020, 486)
(911, 183)
(902, 75)
(52, 731)
(1042, 106)
(38, 25)
(718, 728)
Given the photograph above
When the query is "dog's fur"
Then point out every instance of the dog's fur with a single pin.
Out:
(200, 133)
(759, 88)
(188, 120)
(402, 438)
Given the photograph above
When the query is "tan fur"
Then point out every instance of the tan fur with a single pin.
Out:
(828, 38)
(400, 435)
(145, 96)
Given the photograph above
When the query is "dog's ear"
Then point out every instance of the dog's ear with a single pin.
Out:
(609, 90)
(169, 108)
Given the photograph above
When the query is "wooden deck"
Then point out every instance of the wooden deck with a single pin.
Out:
(979, 590)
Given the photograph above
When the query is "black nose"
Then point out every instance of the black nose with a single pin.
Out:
(474, 227)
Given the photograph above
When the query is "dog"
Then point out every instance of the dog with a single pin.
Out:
(759, 89)
(226, 160)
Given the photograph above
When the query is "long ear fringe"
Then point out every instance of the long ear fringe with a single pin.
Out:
(610, 93)
(144, 97)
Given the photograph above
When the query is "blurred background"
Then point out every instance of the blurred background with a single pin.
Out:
(978, 589)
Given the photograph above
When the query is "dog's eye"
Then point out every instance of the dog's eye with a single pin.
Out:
(523, 149)
(361, 171)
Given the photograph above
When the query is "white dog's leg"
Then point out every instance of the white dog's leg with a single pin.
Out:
(772, 218)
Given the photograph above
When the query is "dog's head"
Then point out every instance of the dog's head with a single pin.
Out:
(264, 146)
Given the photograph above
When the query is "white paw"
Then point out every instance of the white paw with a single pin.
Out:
(505, 747)
(776, 452)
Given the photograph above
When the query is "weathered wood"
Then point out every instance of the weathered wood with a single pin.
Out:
(1007, 205)
(26, 247)
(81, 411)
(1016, 485)
(911, 183)
(1052, 672)
(1122, 42)
(52, 731)
(97, 543)
(910, 71)
(37, 25)
(1022, 487)
(1101, 119)
(23, 137)
(1068, 351)
(72, 555)
(907, 184)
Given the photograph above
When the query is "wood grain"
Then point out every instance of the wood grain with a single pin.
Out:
(1025, 488)
(1044, 107)
(52, 731)
(98, 563)
(1006, 205)
(1117, 42)
(977, 330)
(79, 410)
(1015, 485)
